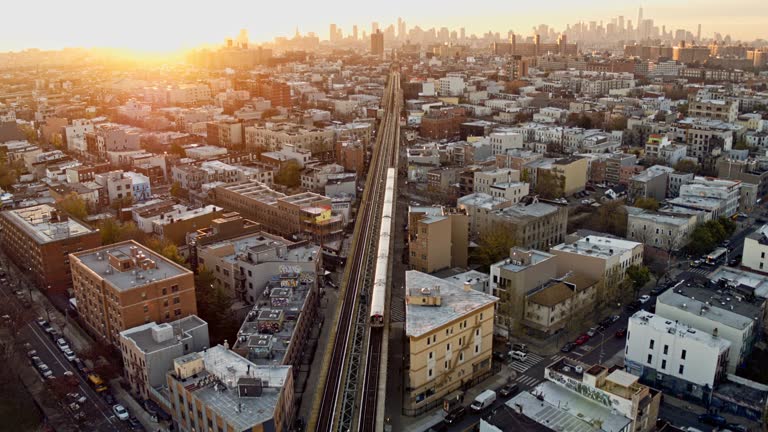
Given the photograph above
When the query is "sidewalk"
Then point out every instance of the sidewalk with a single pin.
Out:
(135, 409)
(424, 421)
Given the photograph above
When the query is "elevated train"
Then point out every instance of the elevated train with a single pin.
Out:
(379, 289)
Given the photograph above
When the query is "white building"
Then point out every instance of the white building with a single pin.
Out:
(75, 135)
(451, 86)
(668, 232)
(727, 191)
(706, 310)
(755, 256)
(510, 191)
(674, 357)
(503, 141)
(484, 180)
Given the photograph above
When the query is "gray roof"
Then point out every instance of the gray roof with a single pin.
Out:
(144, 339)
(227, 367)
(722, 308)
(36, 222)
(456, 303)
(97, 260)
(564, 410)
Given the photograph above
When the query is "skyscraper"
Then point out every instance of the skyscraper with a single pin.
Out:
(377, 43)
(354, 32)
(640, 23)
(698, 34)
(332, 33)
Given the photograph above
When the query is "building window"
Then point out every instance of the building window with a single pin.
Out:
(650, 358)
(174, 288)
(430, 355)
(680, 369)
(666, 349)
(429, 373)
(663, 364)
(682, 355)
(650, 345)
(447, 347)
(176, 300)
(177, 312)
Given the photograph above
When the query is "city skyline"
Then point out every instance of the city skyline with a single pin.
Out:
(150, 32)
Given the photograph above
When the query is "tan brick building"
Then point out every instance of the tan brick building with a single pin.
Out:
(125, 284)
(39, 239)
(438, 238)
(450, 339)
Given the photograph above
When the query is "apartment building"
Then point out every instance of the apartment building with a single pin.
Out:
(756, 250)
(663, 230)
(525, 271)
(216, 389)
(651, 183)
(225, 133)
(438, 238)
(605, 259)
(705, 309)
(726, 192)
(449, 330)
(148, 350)
(484, 180)
(723, 110)
(674, 357)
(243, 266)
(510, 191)
(560, 302)
(275, 136)
(502, 142)
(124, 285)
(531, 224)
(39, 239)
(479, 208)
(614, 165)
(306, 214)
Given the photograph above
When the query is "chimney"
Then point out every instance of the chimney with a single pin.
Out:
(467, 287)
(714, 332)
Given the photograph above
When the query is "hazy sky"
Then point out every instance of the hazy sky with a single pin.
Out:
(173, 24)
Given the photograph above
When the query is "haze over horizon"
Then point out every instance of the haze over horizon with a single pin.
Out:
(165, 26)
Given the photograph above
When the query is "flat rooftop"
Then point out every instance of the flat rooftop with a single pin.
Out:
(525, 211)
(98, 261)
(658, 218)
(604, 247)
(481, 200)
(145, 338)
(716, 305)
(664, 325)
(224, 369)
(521, 259)
(456, 303)
(44, 223)
(564, 410)
(742, 279)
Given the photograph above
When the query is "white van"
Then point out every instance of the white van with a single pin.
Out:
(518, 355)
(483, 400)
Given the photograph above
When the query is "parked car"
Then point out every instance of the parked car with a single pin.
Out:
(62, 344)
(519, 347)
(615, 318)
(581, 340)
(44, 370)
(633, 307)
(568, 347)
(41, 321)
(713, 419)
(120, 412)
(134, 424)
(620, 333)
(509, 390)
(456, 415)
(606, 322)
(80, 366)
(108, 398)
(735, 427)
(644, 298)
(592, 331)
(499, 356)
(77, 397)
(69, 354)
(658, 290)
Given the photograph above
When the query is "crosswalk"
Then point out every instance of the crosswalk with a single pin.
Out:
(700, 270)
(522, 366)
(528, 381)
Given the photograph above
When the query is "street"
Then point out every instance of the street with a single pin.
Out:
(98, 414)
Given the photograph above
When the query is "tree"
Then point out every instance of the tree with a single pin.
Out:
(9, 174)
(611, 218)
(178, 192)
(289, 174)
(617, 124)
(62, 385)
(525, 176)
(214, 305)
(493, 246)
(177, 149)
(113, 231)
(549, 185)
(74, 205)
(119, 204)
(167, 249)
(687, 166)
(648, 203)
(639, 275)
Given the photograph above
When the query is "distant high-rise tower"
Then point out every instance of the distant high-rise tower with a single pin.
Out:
(374, 27)
(332, 33)
(537, 42)
(621, 22)
(462, 33)
(354, 32)
(242, 38)
(377, 43)
(698, 34)
(639, 22)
